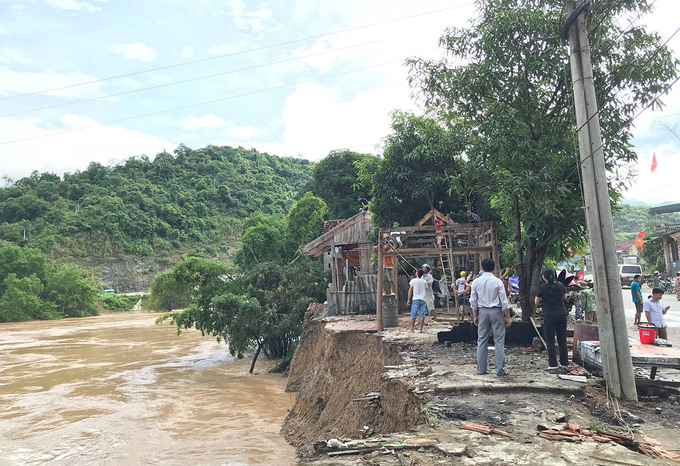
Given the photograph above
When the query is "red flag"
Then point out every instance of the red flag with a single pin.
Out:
(642, 235)
(638, 242)
(653, 162)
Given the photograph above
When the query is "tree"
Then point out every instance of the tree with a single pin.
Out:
(73, 294)
(305, 221)
(511, 87)
(22, 262)
(413, 176)
(21, 300)
(167, 294)
(334, 180)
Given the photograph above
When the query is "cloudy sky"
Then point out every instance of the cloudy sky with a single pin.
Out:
(105, 80)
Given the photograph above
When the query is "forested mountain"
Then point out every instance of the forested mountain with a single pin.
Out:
(192, 200)
(629, 219)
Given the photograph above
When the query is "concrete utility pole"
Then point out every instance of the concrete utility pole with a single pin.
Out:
(616, 360)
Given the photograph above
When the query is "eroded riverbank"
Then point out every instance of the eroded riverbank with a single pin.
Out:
(118, 389)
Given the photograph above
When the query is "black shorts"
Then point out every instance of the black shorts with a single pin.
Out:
(638, 308)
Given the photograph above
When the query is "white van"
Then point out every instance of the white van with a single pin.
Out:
(627, 272)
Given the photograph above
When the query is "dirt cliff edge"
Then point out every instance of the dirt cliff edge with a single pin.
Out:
(332, 371)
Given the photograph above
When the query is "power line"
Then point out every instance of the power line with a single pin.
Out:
(627, 123)
(197, 78)
(259, 91)
(242, 52)
(630, 71)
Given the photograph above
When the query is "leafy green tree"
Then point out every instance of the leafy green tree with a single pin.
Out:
(305, 220)
(260, 244)
(21, 300)
(22, 262)
(73, 294)
(510, 84)
(413, 176)
(202, 279)
(166, 293)
(335, 181)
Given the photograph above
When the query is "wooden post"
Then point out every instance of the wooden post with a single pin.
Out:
(364, 258)
(494, 249)
(336, 279)
(379, 286)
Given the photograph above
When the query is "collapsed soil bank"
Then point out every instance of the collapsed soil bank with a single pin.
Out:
(330, 371)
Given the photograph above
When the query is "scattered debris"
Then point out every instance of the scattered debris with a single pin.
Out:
(369, 397)
(484, 429)
(335, 443)
(574, 378)
(366, 432)
(655, 453)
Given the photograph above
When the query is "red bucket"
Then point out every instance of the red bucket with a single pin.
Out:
(647, 333)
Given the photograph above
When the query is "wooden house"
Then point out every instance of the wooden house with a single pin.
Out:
(347, 256)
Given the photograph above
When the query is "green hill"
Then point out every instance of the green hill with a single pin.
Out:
(132, 220)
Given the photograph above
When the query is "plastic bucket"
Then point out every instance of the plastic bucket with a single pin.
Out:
(647, 333)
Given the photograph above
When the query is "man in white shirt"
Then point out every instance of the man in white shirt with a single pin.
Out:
(489, 302)
(416, 297)
(429, 293)
(655, 311)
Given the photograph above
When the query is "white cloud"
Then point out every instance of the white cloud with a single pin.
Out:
(160, 79)
(73, 5)
(3, 31)
(209, 121)
(661, 185)
(69, 151)
(226, 49)
(254, 20)
(244, 133)
(358, 124)
(20, 82)
(187, 52)
(134, 51)
(11, 55)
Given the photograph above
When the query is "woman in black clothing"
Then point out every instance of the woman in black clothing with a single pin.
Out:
(552, 295)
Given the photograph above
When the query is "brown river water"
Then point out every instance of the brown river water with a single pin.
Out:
(118, 389)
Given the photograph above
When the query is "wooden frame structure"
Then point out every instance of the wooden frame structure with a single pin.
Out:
(345, 241)
(444, 239)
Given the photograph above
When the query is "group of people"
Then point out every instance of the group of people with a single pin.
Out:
(652, 307)
(488, 302)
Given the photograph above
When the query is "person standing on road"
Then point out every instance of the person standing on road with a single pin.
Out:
(655, 311)
(416, 292)
(655, 280)
(551, 295)
(429, 292)
(677, 285)
(489, 302)
(637, 297)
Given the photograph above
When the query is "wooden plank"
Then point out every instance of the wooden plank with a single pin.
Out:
(479, 228)
(435, 251)
(379, 287)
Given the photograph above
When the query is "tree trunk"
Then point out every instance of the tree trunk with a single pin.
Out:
(257, 353)
(521, 266)
(533, 264)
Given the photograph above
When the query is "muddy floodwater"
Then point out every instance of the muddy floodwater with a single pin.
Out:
(118, 389)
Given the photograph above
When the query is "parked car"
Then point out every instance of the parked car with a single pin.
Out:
(627, 272)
